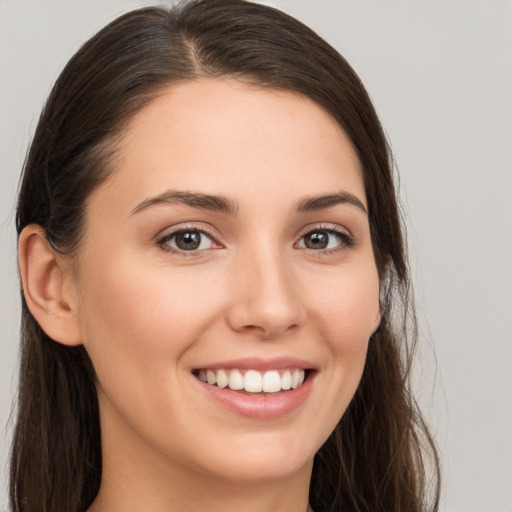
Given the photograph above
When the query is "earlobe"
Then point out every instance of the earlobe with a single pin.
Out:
(43, 276)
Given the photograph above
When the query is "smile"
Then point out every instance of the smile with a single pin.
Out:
(262, 389)
(253, 381)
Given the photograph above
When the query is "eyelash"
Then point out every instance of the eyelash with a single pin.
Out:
(346, 241)
(163, 241)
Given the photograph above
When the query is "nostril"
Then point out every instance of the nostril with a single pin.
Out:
(265, 303)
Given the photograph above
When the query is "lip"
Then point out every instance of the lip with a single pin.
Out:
(259, 406)
(260, 364)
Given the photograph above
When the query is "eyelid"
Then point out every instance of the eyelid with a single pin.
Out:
(346, 238)
(169, 233)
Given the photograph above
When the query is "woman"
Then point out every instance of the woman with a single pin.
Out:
(216, 299)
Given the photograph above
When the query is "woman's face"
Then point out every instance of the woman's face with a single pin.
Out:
(231, 243)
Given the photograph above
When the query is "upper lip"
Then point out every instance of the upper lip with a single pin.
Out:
(258, 363)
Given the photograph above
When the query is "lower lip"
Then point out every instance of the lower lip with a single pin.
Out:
(259, 406)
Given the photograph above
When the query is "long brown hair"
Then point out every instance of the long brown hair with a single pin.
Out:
(381, 454)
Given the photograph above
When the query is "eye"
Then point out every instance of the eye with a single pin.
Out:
(187, 240)
(325, 239)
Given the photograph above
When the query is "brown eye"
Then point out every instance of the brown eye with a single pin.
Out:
(188, 240)
(325, 239)
(316, 240)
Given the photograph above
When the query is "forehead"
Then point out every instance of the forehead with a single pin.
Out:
(226, 137)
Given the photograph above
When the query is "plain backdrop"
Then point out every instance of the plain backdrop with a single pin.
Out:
(440, 74)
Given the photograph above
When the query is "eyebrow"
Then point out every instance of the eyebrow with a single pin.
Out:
(193, 199)
(225, 205)
(314, 203)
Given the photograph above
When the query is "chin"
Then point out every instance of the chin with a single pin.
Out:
(262, 457)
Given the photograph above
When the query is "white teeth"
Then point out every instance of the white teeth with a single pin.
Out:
(222, 379)
(236, 380)
(271, 382)
(211, 377)
(286, 380)
(295, 379)
(253, 381)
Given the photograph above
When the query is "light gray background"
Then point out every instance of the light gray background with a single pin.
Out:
(440, 73)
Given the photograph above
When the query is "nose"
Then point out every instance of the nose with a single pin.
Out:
(265, 300)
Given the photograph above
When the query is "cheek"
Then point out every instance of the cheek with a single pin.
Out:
(344, 313)
(347, 306)
(138, 318)
(140, 322)
(348, 313)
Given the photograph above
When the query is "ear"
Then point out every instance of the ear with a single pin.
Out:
(47, 285)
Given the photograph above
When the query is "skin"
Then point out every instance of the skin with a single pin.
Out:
(149, 314)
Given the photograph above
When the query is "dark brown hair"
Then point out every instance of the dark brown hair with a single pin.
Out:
(381, 454)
